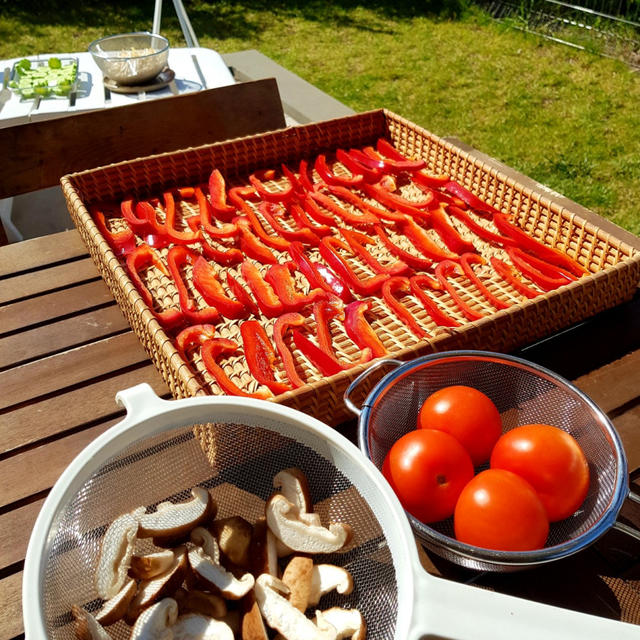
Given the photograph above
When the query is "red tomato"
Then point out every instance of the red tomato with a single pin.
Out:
(468, 415)
(500, 510)
(428, 469)
(551, 460)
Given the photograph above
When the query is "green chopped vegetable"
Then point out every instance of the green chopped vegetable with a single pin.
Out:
(54, 63)
(24, 64)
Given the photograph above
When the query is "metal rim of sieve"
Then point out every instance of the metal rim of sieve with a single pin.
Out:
(469, 555)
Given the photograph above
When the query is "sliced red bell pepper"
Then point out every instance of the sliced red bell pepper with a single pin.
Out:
(306, 178)
(423, 243)
(194, 335)
(394, 166)
(315, 212)
(364, 286)
(385, 148)
(304, 235)
(206, 282)
(440, 196)
(449, 234)
(361, 204)
(177, 257)
(281, 195)
(217, 193)
(261, 356)
(527, 243)
(121, 242)
(359, 329)
(429, 180)
(345, 158)
(211, 350)
(444, 269)
(330, 177)
(325, 364)
(549, 270)
(227, 230)
(336, 284)
(388, 183)
(469, 198)
(358, 243)
(139, 225)
(478, 229)
(226, 256)
(363, 219)
(466, 260)
(279, 277)
(251, 245)
(303, 221)
(398, 203)
(506, 272)
(147, 210)
(535, 275)
(402, 285)
(178, 237)
(418, 283)
(241, 294)
(144, 256)
(265, 296)
(279, 330)
(299, 190)
(413, 261)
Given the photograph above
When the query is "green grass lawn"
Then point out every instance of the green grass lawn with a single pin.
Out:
(569, 119)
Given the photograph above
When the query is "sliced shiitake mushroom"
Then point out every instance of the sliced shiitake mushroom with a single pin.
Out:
(216, 577)
(116, 608)
(298, 578)
(234, 538)
(86, 627)
(326, 578)
(294, 487)
(194, 625)
(348, 623)
(150, 565)
(197, 601)
(154, 623)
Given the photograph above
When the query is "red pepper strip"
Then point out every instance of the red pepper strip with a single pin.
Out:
(357, 220)
(177, 257)
(363, 205)
(550, 270)
(385, 148)
(306, 178)
(210, 351)
(465, 262)
(279, 329)
(360, 331)
(506, 272)
(427, 180)
(303, 221)
(478, 229)
(418, 283)
(206, 282)
(218, 197)
(423, 243)
(369, 175)
(398, 203)
(366, 286)
(535, 275)
(179, 237)
(402, 284)
(145, 209)
(141, 257)
(304, 235)
(357, 241)
(266, 194)
(122, 242)
(309, 270)
(394, 166)
(194, 335)
(337, 285)
(267, 300)
(449, 233)
(445, 268)
(227, 256)
(440, 196)
(299, 190)
(469, 198)
(315, 212)
(140, 225)
(228, 230)
(279, 277)
(416, 262)
(241, 295)
(251, 245)
(325, 364)
(388, 183)
(527, 243)
(331, 178)
(261, 356)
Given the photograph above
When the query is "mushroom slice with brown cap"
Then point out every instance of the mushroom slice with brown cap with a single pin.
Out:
(298, 578)
(155, 622)
(234, 537)
(283, 518)
(174, 520)
(145, 567)
(204, 538)
(193, 626)
(326, 578)
(116, 608)
(162, 586)
(196, 601)
(215, 576)
(86, 627)
(115, 554)
(294, 487)
(349, 623)
(282, 616)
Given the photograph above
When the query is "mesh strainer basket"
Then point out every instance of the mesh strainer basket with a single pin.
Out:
(233, 447)
(524, 393)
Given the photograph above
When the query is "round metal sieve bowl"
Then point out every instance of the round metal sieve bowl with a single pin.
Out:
(524, 393)
(131, 58)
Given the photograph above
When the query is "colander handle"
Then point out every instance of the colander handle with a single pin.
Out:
(365, 374)
(625, 528)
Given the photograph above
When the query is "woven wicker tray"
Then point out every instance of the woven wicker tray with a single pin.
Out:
(613, 266)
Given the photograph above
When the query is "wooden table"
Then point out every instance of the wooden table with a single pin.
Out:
(66, 349)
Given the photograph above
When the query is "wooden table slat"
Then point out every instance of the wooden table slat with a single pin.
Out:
(15, 530)
(11, 609)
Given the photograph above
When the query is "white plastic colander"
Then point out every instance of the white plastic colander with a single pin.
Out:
(234, 446)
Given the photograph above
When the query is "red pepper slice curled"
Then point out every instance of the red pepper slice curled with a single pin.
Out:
(268, 301)
(359, 329)
(303, 221)
(361, 204)
(279, 277)
(389, 289)
(251, 245)
(506, 272)
(121, 242)
(279, 330)
(345, 158)
(270, 196)
(179, 237)
(414, 261)
(325, 364)
(139, 225)
(545, 282)
(364, 218)
(469, 198)
(418, 283)
(449, 234)
(304, 235)
(423, 243)
(358, 242)
(218, 197)
(398, 203)
(478, 229)
(444, 269)
(329, 177)
(385, 148)
(193, 336)
(228, 230)
(466, 260)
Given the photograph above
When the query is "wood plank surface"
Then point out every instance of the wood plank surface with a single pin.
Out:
(15, 530)
(11, 609)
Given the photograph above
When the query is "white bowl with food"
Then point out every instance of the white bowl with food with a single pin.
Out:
(131, 58)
